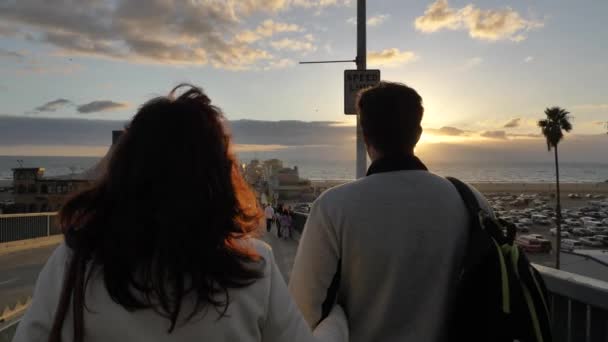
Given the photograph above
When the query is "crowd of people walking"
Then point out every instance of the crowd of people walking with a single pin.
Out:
(282, 217)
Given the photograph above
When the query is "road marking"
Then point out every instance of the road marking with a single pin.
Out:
(12, 280)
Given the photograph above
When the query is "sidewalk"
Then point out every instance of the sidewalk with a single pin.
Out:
(284, 250)
(20, 245)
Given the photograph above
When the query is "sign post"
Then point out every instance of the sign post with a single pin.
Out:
(361, 65)
(349, 104)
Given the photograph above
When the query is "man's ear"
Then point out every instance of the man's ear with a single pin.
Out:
(418, 134)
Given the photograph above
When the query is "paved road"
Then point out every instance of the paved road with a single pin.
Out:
(284, 251)
(18, 273)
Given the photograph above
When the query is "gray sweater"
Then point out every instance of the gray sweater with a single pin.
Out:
(397, 238)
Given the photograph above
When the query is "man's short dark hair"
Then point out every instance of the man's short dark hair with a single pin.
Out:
(390, 117)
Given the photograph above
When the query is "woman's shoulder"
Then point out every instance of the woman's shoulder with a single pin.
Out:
(60, 256)
(262, 249)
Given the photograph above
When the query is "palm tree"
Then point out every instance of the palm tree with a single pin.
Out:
(557, 121)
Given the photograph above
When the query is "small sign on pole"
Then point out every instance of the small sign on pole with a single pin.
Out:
(355, 80)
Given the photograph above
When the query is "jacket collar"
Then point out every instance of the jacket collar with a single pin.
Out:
(389, 164)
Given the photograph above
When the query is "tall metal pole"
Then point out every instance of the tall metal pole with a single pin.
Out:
(361, 65)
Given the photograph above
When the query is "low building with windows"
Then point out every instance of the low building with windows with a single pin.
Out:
(35, 193)
(286, 186)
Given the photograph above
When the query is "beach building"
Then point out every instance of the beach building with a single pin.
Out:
(286, 186)
(36, 193)
(33, 192)
(275, 183)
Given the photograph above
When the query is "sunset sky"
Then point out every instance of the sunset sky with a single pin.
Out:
(486, 69)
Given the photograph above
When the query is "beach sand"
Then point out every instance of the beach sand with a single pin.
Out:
(542, 188)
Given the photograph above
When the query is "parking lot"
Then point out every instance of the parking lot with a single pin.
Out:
(584, 221)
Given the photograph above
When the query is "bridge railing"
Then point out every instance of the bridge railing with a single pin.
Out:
(14, 227)
(579, 306)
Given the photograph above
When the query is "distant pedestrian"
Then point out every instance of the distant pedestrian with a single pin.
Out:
(279, 218)
(286, 223)
(269, 213)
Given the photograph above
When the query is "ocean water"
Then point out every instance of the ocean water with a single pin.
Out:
(317, 169)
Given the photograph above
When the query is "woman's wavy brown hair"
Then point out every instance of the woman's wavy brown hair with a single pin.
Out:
(165, 219)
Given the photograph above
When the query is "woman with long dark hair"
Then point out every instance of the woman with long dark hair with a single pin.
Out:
(160, 247)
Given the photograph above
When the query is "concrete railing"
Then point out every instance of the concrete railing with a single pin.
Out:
(14, 227)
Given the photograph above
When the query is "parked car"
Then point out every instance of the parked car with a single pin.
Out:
(565, 234)
(525, 221)
(545, 244)
(598, 230)
(580, 232)
(573, 222)
(602, 238)
(528, 244)
(536, 218)
(571, 244)
(591, 242)
(521, 228)
(591, 223)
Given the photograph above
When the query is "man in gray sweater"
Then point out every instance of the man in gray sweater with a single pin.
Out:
(386, 247)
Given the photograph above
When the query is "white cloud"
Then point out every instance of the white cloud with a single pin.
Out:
(267, 28)
(320, 3)
(294, 45)
(169, 32)
(247, 36)
(529, 59)
(270, 27)
(491, 25)
(372, 21)
(280, 64)
(377, 19)
(473, 62)
(390, 57)
(438, 16)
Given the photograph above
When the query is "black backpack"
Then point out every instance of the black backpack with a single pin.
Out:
(500, 296)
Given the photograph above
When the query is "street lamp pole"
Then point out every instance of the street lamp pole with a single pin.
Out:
(361, 65)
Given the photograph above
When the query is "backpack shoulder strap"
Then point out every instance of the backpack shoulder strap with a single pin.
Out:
(467, 195)
(479, 242)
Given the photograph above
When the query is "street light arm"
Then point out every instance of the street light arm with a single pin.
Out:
(337, 61)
